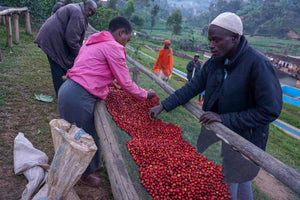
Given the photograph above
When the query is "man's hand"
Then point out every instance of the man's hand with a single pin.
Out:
(155, 111)
(209, 117)
(151, 94)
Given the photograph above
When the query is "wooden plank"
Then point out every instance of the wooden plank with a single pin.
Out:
(287, 175)
(16, 28)
(27, 23)
(13, 10)
(8, 30)
(121, 184)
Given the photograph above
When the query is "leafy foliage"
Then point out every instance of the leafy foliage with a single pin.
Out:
(102, 17)
(129, 9)
(154, 12)
(39, 10)
(175, 21)
(138, 21)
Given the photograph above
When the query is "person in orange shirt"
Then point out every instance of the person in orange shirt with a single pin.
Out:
(163, 66)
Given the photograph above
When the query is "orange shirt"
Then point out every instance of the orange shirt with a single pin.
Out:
(164, 62)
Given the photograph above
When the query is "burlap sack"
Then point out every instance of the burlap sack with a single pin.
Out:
(74, 149)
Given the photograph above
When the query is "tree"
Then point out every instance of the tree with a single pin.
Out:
(102, 17)
(174, 21)
(138, 21)
(112, 4)
(129, 9)
(154, 12)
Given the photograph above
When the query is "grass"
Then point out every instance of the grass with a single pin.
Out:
(24, 72)
(290, 114)
(264, 44)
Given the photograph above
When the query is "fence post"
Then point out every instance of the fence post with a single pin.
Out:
(136, 75)
(8, 30)
(3, 19)
(16, 28)
(27, 22)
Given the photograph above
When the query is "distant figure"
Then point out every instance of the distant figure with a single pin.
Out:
(192, 68)
(61, 37)
(101, 60)
(163, 66)
(60, 4)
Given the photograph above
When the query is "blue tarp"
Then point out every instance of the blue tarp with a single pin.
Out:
(291, 91)
(290, 100)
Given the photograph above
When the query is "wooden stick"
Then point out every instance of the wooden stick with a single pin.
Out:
(16, 28)
(8, 30)
(27, 23)
(121, 184)
(13, 10)
(287, 175)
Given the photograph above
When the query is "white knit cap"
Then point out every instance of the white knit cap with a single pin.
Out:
(229, 21)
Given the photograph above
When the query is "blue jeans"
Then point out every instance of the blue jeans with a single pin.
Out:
(241, 191)
(57, 73)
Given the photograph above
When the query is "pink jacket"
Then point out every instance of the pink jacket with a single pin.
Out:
(101, 60)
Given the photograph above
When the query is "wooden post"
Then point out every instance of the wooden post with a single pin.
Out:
(27, 22)
(3, 19)
(136, 74)
(121, 184)
(8, 30)
(16, 28)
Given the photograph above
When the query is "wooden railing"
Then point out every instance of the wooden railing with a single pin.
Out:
(287, 175)
(5, 17)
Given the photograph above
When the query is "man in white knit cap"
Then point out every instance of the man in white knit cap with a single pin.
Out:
(241, 91)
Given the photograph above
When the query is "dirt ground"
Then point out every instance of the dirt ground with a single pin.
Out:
(272, 187)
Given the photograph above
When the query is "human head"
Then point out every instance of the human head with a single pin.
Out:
(167, 44)
(196, 57)
(121, 29)
(90, 7)
(224, 35)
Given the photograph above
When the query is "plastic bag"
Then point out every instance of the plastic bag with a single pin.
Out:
(30, 161)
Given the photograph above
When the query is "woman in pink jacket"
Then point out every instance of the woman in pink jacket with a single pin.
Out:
(100, 61)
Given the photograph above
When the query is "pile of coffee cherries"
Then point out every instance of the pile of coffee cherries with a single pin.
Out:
(170, 168)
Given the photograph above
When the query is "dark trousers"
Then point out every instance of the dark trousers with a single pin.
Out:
(57, 73)
(76, 105)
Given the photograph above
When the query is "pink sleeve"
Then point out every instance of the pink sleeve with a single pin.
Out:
(117, 62)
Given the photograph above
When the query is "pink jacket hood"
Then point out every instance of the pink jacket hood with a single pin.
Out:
(103, 36)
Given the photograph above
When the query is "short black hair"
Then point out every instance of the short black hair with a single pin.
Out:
(119, 22)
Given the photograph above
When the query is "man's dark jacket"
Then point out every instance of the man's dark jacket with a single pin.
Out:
(190, 67)
(61, 36)
(248, 100)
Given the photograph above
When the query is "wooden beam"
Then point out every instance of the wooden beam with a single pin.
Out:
(27, 23)
(121, 184)
(8, 30)
(13, 10)
(136, 74)
(287, 175)
(16, 28)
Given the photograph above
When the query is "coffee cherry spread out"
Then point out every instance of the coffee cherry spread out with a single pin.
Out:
(170, 168)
